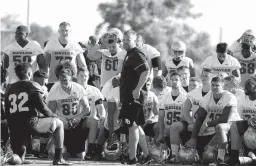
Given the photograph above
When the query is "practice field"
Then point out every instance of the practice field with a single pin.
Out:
(42, 162)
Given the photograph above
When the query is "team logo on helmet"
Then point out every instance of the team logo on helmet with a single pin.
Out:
(178, 49)
(112, 148)
(188, 155)
(250, 138)
(158, 152)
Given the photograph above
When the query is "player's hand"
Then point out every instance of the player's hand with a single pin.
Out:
(76, 121)
(190, 127)
(116, 81)
(4, 122)
(136, 93)
(252, 122)
(149, 121)
(159, 139)
(191, 143)
(54, 115)
(203, 127)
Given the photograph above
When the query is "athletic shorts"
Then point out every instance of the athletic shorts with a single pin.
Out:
(75, 139)
(131, 115)
(185, 135)
(149, 129)
(42, 125)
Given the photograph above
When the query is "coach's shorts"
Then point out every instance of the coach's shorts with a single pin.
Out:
(185, 135)
(149, 129)
(75, 139)
(131, 115)
(202, 142)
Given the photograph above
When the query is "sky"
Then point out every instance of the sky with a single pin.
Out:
(234, 16)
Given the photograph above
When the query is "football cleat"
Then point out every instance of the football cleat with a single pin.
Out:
(250, 138)
(112, 148)
(188, 155)
(160, 152)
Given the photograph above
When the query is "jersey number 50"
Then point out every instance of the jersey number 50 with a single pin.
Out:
(21, 59)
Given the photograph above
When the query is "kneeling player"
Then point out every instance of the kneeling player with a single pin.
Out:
(247, 110)
(182, 130)
(65, 98)
(97, 110)
(217, 108)
(171, 107)
(23, 100)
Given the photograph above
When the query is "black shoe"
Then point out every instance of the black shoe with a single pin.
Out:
(173, 159)
(131, 162)
(233, 162)
(146, 160)
(61, 162)
(88, 156)
(219, 162)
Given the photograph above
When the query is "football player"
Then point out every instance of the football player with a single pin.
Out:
(22, 101)
(62, 49)
(22, 51)
(194, 83)
(185, 75)
(171, 107)
(97, 110)
(152, 55)
(219, 107)
(248, 37)
(247, 111)
(247, 59)
(222, 62)
(41, 78)
(160, 87)
(65, 98)
(232, 85)
(182, 130)
(178, 58)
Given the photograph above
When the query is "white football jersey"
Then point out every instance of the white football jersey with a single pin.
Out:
(109, 64)
(160, 95)
(248, 66)
(60, 54)
(214, 110)
(229, 64)
(18, 54)
(93, 94)
(246, 107)
(185, 61)
(68, 105)
(195, 96)
(150, 53)
(172, 108)
(151, 101)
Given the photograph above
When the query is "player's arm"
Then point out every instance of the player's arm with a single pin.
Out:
(6, 61)
(100, 108)
(86, 108)
(80, 60)
(201, 114)
(52, 106)
(227, 111)
(41, 62)
(187, 110)
(161, 122)
(164, 69)
(157, 66)
(155, 109)
(192, 69)
(111, 110)
(236, 73)
(119, 66)
(47, 57)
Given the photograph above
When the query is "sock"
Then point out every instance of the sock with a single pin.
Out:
(91, 148)
(221, 154)
(175, 149)
(58, 153)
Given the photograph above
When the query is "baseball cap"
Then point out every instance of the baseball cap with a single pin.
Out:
(22, 28)
(222, 47)
(40, 74)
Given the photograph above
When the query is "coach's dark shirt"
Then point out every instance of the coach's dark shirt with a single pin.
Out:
(134, 64)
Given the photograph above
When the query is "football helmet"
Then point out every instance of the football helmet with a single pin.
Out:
(210, 154)
(188, 155)
(112, 148)
(248, 38)
(178, 50)
(250, 138)
(158, 152)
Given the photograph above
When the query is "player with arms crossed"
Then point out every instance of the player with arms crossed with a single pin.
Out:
(171, 107)
(247, 59)
(23, 100)
(239, 130)
(62, 49)
(182, 130)
(23, 51)
(178, 59)
(217, 108)
(97, 110)
(222, 62)
(65, 98)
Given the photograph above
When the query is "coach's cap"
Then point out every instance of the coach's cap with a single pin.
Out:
(222, 48)
(40, 74)
(22, 28)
